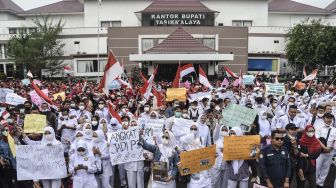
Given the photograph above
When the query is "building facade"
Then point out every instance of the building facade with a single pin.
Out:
(241, 34)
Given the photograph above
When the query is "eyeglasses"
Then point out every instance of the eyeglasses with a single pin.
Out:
(165, 137)
(278, 138)
(193, 129)
(80, 149)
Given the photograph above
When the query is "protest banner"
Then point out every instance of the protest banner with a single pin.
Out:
(62, 94)
(181, 126)
(238, 116)
(156, 125)
(34, 123)
(36, 99)
(176, 94)
(197, 160)
(14, 99)
(3, 93)
(160, 171)
(199, 95)
(241, 147)
(248, 79)
(25, 82)
(258, 186)
(275, 89)
(38, 162)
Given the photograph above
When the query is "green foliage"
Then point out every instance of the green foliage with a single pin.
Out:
(311, 43)
(39, 50)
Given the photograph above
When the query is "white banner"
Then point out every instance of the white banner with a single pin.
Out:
(156, 124)
(3, 93)
(14, 99)
(36, 99)
(198, 96)
(181, 126)
(40, 162)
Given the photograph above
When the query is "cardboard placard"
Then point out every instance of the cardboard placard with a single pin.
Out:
(36, 99)
(160, 171)
(34, 123)
(241, 147)
(3, 93)
(181, 126)
(238, 116)
(275, 89)
(197, 160)
(176, 94)
(62, 94)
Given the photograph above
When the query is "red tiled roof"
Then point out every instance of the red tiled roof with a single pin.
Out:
(8, 5)
(176, 6)
(178, 42)
(65, 6)
(292, 6)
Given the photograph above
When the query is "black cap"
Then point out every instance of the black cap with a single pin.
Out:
(291, 126)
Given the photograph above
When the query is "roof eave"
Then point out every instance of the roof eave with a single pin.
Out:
(50, 13)
(290, 12)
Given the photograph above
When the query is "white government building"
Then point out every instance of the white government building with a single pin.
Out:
(241, 34)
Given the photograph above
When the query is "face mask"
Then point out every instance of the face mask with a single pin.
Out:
(224, 133)
(79, 138)
(309, 134)
(101, 106)
(263, 117)
(178, 114)
(290, 103)
(328, 125)
(44, 110)
(81, 107)
(146, 109)
(87, 131)
(49, 137)
(126, 123)
(72, 105)
(319, 115)
(194, 107)
(194, 132)
(176, 105)
(124, 110)
(81, 153)
(259, 105)
(327, 93)
(165, 141)
(5, 133)
(65, 117)
(217, 108)
(185, 115)
(274, 105)
(94, 122)
(95, 139)
(9, 121)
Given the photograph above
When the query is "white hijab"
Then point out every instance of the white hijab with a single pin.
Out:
(101, 143)
(236, 164)
(220, 141)
(52, 132)
(167, 150)
(87, 137)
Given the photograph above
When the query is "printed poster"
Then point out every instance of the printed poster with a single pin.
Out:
(176, 94)
(238, 116)
(241, 147)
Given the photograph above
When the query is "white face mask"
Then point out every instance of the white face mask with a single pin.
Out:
(165, 141)
(310, 134)
(224, 133)
(194, 132)
(217, 108)
(194, 107)
(101, 106)
(185, 115)
(94, 122)
(49, 137)
(146, 109)
(79, 138)
(124, 111)
(319, 115)
(274, 105)
(126, 123)
(263, 117)
(87, 131)
(81, 107)
(290, 103)
(73, 105)
(82, 153)
(328, 125)
(95, 139)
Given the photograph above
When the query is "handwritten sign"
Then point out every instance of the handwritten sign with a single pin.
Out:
(34, 123)
(275, 89)
(197, 160)
(3, 93)
(156, 125)
(36, 99)
(176, 94)
(241, 147)
(238, 116)
(62, 94)
(199, 96)
(181, 126)
(14, 99)
(40, 162)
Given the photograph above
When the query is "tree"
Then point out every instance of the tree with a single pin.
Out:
(39, 50)
(311, 44)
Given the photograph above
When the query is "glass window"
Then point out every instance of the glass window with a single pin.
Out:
(116, 23)
(105, 24)
(263, 65)
(12, 31)
(237, 23)
(209, 42)
(22, 30)
(147, 44)
(84, 66)
(247, 23)
(102, 65)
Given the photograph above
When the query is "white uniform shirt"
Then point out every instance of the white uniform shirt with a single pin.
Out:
(323, 132)
(284, 120)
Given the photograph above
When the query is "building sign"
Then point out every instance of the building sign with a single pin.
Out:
(173, 19)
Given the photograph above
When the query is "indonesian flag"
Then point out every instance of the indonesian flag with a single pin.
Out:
(304, 71)
(122, 82)
(37, 82)
(157, 98)
(276, 81)
(186, 69)
(176, 82)
(240, 77)
(5, 115)
(113, 113)
(312, 76)
(43, 96)
(112, 70)
(67, 70)
(236, 83)
(84, 86)
(225, 82)
(257, 82)
(203, 78)
(145, 90)
(230, 73)
(30, 74)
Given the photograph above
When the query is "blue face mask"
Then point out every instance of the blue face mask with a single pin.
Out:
(178, 114)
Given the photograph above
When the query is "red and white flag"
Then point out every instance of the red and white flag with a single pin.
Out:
(146, 89)
(5, 115)
(123, 82)
(276, 81)
(43, 96)
(203, 78)
(84, 86)
(30, 74)
(186, 69)
(312, 76)
(176, 82)
(240, 77)
(157, 98)
(112, 70)
(113, 113)
(304, 71)
(230, 73)
(67, 69)
(225, 82)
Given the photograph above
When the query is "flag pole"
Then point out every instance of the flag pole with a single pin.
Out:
(98, 63)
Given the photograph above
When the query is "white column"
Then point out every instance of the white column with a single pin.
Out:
(3, 51)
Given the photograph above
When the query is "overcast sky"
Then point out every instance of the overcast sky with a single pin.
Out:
(29, 4)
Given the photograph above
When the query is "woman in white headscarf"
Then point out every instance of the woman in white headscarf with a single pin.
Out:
(100, 149)
(82, 166)
(48, 139)
(191, 142)
(87, 129)
(203, 131)
(219, 172)
(165, 152)
(264, 128)
(239, 169)
(78, 136)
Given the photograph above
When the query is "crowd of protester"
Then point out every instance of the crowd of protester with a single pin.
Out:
(297, 130)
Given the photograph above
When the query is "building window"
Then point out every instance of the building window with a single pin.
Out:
(22, 30)
(84, 66)
(276, 41)
(106, 24)
(240, 23)
(209, 42)
(270, 65)
(147, 44)
(12, 31)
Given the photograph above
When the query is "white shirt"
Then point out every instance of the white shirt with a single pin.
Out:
(284, 120)
(318, 122)
(323, 132)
